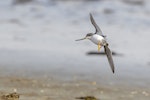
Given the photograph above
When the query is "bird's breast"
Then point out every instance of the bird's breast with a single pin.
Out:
(97, 39)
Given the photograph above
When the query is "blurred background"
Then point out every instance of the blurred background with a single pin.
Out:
(37, 37)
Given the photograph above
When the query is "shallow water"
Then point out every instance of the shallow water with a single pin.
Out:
(40, 36)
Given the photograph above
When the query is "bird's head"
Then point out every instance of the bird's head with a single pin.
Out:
(88, 36)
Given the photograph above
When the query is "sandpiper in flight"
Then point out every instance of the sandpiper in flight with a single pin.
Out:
(100, 40)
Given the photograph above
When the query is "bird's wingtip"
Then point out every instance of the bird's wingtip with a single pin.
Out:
(113, 72)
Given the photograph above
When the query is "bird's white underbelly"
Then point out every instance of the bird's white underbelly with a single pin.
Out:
(97, 39)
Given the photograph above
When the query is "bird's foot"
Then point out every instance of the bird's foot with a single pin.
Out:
(99, 47)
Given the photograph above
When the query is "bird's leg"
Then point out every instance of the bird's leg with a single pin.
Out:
(99, 46)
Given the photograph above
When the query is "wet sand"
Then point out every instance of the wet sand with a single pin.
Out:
(49, 87)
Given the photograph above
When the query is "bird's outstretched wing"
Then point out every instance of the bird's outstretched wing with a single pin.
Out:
(98, 30)
(109, 56)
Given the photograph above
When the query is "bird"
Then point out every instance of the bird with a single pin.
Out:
(99, 39)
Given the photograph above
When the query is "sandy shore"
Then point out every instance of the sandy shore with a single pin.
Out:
(50, 88)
